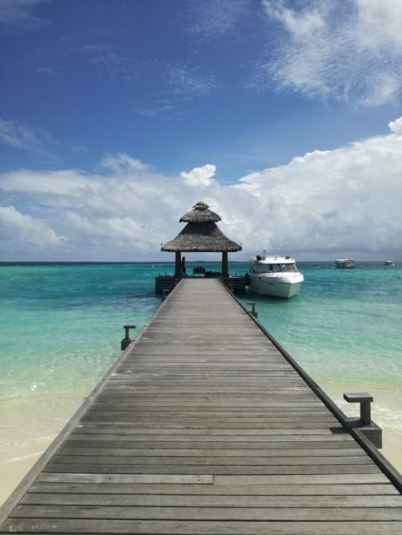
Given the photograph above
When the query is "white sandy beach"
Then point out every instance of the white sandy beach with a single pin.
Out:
(28, 426)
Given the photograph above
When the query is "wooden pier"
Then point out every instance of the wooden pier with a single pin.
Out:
(205, 426)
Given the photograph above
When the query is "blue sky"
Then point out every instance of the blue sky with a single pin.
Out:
(117, 116)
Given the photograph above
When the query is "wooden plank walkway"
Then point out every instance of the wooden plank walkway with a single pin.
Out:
(204, 428)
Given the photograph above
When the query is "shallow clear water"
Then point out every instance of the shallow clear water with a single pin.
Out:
(344, 324)
(62, 324)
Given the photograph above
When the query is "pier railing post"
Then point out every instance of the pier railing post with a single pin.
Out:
(365, 405)
(127, 340)
(252, 312)
(365, 424)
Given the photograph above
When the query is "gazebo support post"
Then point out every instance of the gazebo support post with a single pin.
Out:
(177, 267)
(225, 264)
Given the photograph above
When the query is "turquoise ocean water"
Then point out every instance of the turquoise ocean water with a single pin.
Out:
(61, 327)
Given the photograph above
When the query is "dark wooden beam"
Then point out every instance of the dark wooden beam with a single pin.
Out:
(177, 269)
(225, 264)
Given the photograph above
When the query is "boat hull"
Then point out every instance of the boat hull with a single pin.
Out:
(275, 288)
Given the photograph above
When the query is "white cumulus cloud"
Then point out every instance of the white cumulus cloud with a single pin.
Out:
(63, 182)
(31, 230)
(351, 51)
(396, 126)
(345, 199)
(200, 176)
(320, 205)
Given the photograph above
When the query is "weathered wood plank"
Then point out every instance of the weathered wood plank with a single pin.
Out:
(73, 450)
(259, 409)
(138, 527)
(384, 514)
(165, 479)
(218, 470)
(210, 421)
(219, 425)
(316, 437)
(306, 429)
(277, 395)
(223, 481)
(200, 411)
(199, 389)
(295, 479)
(210, 461)
(164, 500)
(293, 488)
(194, 423)
(212, 377)
(105, 441)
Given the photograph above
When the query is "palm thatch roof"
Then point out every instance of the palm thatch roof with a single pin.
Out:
(201, 234)
(201, 238)
(200, 214)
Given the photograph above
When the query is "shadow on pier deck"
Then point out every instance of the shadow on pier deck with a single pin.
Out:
(205, 426)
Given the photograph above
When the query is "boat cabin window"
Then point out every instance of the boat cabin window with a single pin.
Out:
(275, 268)
(289, 267)
(269, 268)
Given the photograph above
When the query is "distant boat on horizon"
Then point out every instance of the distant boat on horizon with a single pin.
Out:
(345, 263)
(389, 263)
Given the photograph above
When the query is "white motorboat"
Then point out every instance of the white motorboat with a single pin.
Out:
(345, 263)
(389, 263)
(274, 275)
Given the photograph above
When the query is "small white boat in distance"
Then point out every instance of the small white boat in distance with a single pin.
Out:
(274, 275)
(389, 263)
(345, 263)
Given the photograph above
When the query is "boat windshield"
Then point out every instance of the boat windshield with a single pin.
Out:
(275, 268)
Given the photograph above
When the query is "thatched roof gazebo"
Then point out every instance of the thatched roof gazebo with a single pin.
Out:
(201, 235)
